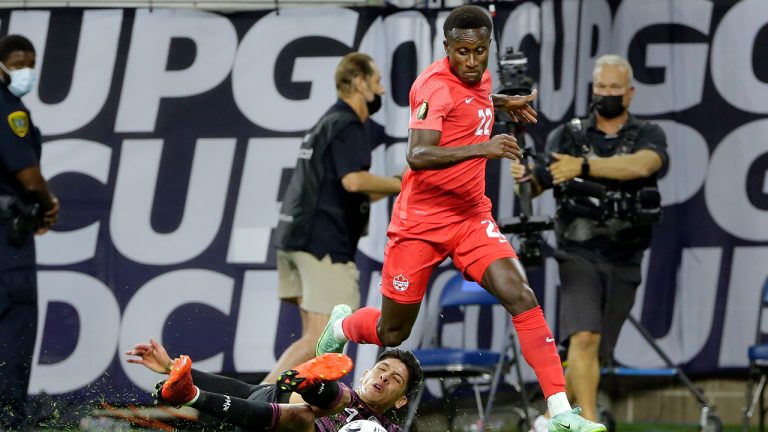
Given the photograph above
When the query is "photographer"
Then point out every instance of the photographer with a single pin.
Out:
(26, 207)
(603, 170)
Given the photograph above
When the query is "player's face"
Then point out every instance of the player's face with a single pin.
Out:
(384, 386)
(613, 80)
(467, 51)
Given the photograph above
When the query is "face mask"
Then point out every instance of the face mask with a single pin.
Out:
(374, 105)
(22, 80)
(608, 106)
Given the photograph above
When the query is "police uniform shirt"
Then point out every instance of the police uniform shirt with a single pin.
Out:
(649, 136)
(20, 143)
(341, 216)
(20, 147)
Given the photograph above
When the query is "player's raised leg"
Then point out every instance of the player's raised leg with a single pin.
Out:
(388, 326)
(408, 263)
(506, 279)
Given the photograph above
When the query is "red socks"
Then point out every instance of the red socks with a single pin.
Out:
(536, 342)
(361, 326)
(540, 350)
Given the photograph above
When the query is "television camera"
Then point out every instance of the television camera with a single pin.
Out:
(526, 226)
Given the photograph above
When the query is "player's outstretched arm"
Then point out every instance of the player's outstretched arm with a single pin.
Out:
(152, 355)
(516, 107)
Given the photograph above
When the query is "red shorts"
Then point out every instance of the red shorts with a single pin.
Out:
(414, 249)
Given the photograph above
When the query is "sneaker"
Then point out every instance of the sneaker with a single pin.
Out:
(327, 367)
(571, 421)
(328, 342)
(178, 388)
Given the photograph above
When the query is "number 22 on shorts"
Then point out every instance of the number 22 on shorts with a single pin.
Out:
(492, 231)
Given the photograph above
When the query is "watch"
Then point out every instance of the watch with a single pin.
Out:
(584, 167)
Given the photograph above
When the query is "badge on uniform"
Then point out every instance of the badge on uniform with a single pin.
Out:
(421, 113)
(19, 123)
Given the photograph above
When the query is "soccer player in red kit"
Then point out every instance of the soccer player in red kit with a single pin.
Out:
(442, 211)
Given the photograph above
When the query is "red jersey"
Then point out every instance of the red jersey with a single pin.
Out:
(464, 114)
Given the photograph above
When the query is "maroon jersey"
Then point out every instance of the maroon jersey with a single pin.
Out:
(356, 410)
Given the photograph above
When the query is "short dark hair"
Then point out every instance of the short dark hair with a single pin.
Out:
(352, 65)
(415, 374)
(467, 17)
(11, 43)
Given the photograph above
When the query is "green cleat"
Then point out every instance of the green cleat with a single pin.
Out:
(571, 421)
(327, 342)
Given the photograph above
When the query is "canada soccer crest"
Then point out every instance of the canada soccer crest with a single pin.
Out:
(400, 282)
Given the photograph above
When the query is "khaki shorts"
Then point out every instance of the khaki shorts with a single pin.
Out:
(321, 284)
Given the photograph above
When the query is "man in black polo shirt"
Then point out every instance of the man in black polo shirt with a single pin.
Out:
(601, 237)
(325, 208)
(26, 207)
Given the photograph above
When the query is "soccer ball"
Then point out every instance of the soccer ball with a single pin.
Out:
(362, 426)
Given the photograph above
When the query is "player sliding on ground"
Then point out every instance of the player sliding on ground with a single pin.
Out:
(306, 398)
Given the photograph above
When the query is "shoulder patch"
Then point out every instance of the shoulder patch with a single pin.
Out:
(19, 123)
(423, 110)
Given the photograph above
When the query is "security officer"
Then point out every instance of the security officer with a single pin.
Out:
(604, 219)
(26, 207)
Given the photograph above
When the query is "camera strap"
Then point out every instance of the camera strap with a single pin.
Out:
(628, 142)
(579, 135)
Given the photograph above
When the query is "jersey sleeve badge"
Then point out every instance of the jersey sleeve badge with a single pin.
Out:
(19, 123)
(423, 110)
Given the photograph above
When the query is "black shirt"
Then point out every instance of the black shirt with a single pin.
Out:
(617, 241)
(341, 216)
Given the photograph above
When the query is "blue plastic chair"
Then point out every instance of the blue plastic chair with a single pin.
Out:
(484, 366)
(758, 369)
